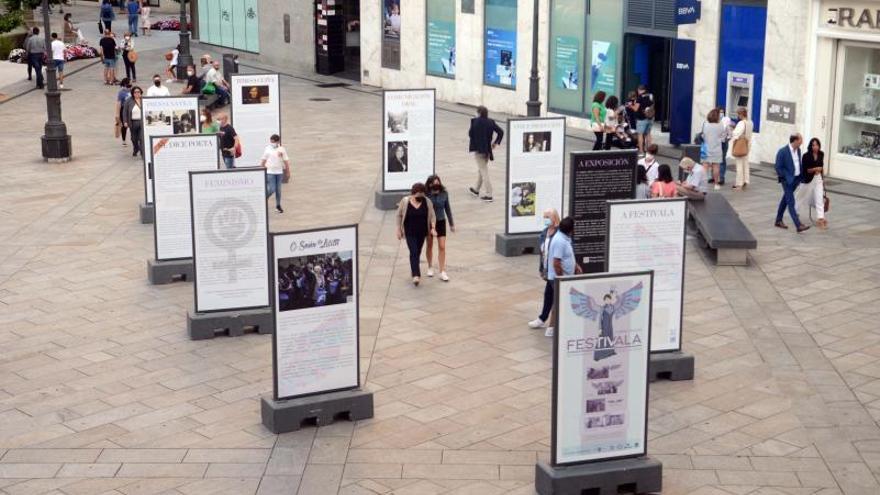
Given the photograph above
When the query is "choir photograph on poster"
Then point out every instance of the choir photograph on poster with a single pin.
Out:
(398, 156)
(255, 95)
(522, 199)
(534, 142)
(398, 122)
(314, 280)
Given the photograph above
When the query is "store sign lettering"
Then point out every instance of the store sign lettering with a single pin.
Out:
(848, 17)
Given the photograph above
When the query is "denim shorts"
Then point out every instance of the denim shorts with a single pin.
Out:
(59, 65)
(644, 126)
(109, 63)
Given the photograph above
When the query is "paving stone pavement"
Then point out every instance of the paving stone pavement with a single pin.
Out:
(102, 392)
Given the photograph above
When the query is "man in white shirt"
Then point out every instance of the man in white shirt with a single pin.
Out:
(58, 58)
(276, 162)
(697, 184)
(649, 163)
(157, 89)
(214, 77)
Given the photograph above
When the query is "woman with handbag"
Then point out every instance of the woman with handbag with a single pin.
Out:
(742, 144)
(812, 192)
(597, 119)
(129, 57)
(133, 116)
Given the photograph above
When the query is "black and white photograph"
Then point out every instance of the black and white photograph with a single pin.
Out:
(536, 142)
(522, 199)
(314, 280)
(398, 156)
(398, 122)
(597, 373)
(613, 419)
(154, 118)
(184, 122)
(595, 422)
(255, 95)
(606, 388)
(596, 405)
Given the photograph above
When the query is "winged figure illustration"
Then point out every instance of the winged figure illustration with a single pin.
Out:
(613, 307)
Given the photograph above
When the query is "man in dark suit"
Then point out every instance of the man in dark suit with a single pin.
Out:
(482, 132)
(788, 172)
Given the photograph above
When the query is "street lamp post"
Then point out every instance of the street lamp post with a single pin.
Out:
(184, 58)
(533, 106)
(55, 142)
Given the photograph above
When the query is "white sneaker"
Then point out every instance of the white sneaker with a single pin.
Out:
(430, 272)
(169, 81)
(717, 187)
(416, 281)
(60, 86)
(444, 277)
(536, 323)
(548, 332)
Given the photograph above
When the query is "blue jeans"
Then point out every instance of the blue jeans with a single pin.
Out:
(723, 168)
(222, 95)
(133, 24)
(36, 60)
(229, 161)
(787, 201)
(273, 185)
(548, 300)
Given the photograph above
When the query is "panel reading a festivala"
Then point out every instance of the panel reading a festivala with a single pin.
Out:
(500, 43)
(597, 176)
(535, 170)
(165, 116)
(314, 287)
(230, 244)
(600, 367)
(650, 235)
(256, 114)
(408, 143)
(174, 157)
(440, 42)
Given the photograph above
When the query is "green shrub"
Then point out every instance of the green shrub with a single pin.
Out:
(10, 41)
(10, 21)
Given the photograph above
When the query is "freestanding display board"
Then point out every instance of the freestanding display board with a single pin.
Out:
(535, 171)
(173, 158)
(600, 367)
(230, 239)
(407, 138)
(597, 176)
(314, 283)
(165, 116)
(650, 235)
(256, 114)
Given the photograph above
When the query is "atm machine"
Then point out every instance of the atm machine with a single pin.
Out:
(740, 87)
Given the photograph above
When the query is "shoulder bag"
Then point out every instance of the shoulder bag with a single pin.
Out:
(740, 147)
(132, 56)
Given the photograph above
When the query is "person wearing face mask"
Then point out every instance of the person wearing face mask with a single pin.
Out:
(193, 83)
(129, 57)
(415, 220)
(132, 113)
(649, 163)
(157, 89)
(209, 126)
(121, 97)
(277, 165)
(551, 225)
(443, 213)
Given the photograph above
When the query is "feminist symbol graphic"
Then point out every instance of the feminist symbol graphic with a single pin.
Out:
(231, 224)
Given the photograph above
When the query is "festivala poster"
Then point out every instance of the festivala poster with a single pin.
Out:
(567, 58)
(174, 157)
(600, 367)
(500, 43)
(391, 34)
(230, 243)
(535, 170)
(650, 235)
(256, 114)
(408, 138)
(440, 43)
(165, 116)
(315, 300)
(603, 71)
(596, 177)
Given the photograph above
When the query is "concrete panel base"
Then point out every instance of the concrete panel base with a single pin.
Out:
(320, 410)
(638, 475)
(674, 366)
(516, 244)
(732, 257)
(388, 200)
(146, 213)
(166, 272)
(201, 326)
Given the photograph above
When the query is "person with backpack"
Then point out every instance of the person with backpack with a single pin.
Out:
(645, 110)
(107, 16)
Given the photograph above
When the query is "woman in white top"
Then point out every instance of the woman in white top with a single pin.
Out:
(132, 118)
(742, 132)
(145, 18)
(713, 134)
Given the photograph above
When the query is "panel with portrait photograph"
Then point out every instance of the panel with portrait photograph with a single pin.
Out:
(314, 280)
(398, 156)
(522, 199)
(536, 142)
(255, 94)
(398, 122)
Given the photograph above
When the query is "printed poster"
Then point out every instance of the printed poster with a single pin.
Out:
(256, 114)
(603, 71)
(535, 170)
(408, 138)
(567, 67)
(391, 34)
(601, 352)
(441, 48)
(500, 57)
(165, 116)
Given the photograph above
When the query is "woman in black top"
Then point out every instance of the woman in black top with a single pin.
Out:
(415, 220)
(812, 193)
(443, 212)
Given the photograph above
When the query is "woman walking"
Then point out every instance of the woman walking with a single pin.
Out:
(107, 15)
(443, 213)
(713, 134)
(415, 220)
(129, 57)
(133, 114)
(121, 97)
(664, 186)
(597, 119)
(741, 145)
(812, 192)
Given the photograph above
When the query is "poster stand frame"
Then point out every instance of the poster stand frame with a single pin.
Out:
(148, 167)
(146, 213)
(232, 107)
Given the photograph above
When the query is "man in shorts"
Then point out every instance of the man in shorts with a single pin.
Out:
(644, 108)
(108, 54)
(58, 58)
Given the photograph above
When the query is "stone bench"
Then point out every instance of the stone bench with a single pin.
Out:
(721, 228)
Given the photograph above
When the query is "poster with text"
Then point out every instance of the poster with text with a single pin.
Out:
(600, 367)
(603, 71)
(315, 300)
(500, 56)
(174, 157)
(596, 177)
(230, 243)
(650, 235)
(165, 116)
(408, 138)
(567, 67)
(440, 43)
(391, 34)
(256, 114)
(535, 171)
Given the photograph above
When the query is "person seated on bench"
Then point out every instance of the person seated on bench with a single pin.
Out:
(193, 84)
(696, 185)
